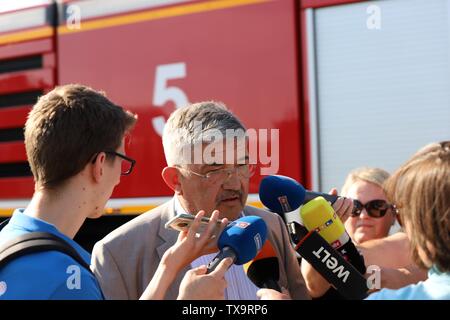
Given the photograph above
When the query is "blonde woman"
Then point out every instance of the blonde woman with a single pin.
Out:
(368, 223)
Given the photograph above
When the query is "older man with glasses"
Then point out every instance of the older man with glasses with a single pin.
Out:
(205, 174)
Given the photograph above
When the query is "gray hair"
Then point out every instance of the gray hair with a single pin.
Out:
(194, 125)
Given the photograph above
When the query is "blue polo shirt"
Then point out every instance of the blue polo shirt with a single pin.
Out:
(45, 275)
(436, 287)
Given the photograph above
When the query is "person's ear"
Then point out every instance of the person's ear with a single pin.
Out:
(172, 180)
(97, 166)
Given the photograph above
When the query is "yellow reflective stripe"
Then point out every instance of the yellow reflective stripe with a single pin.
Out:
(43, 32)
(6, 212)
(155, 14)
(129, 210)
(257, 204)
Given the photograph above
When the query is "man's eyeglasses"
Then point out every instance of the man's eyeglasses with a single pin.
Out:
(374, 208)
(127, 164)
(243, 170)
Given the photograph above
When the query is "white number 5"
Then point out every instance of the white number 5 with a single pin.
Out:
(163, 93)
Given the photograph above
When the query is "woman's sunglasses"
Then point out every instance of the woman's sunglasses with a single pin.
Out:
(374, 208)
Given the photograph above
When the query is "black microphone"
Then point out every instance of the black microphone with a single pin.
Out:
(264, 270)
(309, 195)
(319, 215)
(329, 263)
(283, 194)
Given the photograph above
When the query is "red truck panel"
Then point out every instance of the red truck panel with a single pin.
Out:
(244, 56)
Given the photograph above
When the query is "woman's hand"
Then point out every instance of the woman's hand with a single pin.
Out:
(343, 206)
(270, 294)
(197, 285)
(189, 246)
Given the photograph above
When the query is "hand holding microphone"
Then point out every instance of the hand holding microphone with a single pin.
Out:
(189, 246)
(197, 285)
(318, 215)
(283, 194)
(342, 206)
(241, 241)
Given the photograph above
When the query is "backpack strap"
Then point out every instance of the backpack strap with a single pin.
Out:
(3, 224)
(37, 242)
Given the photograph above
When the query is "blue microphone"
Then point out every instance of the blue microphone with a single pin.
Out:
(241, 240)
(283, 194)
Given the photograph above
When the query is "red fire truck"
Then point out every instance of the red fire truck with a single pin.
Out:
(347, 83)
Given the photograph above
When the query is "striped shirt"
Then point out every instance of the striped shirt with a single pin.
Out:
(239, 285)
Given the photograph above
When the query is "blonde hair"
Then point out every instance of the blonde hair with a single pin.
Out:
(420, 188)
(376, 176)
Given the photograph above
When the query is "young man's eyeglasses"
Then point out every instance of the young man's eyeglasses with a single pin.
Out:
(374, 208)
(127, 164)
(243, 170)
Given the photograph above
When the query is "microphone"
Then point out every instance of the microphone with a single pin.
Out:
(275, 192)
(329, 263)
(320, 216)
(284, 194)
(241, 240)
(281, 194)
(264, 270)
(309, 195)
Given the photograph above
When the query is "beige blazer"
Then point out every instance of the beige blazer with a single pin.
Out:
(126, 259)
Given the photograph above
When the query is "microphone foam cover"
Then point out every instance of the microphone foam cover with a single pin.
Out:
(318, 213)
(281, 194)
(264, 266)
(260, 271)
(246, 236)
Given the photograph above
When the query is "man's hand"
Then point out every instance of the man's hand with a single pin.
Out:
(197, 285)
(189, 247)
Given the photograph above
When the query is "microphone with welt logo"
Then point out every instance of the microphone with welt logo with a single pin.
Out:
(320, 216)
(283, 194)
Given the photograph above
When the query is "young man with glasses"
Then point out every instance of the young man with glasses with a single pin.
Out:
(217, 180)
(76, 162)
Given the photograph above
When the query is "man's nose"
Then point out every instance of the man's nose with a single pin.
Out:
(232, 181)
